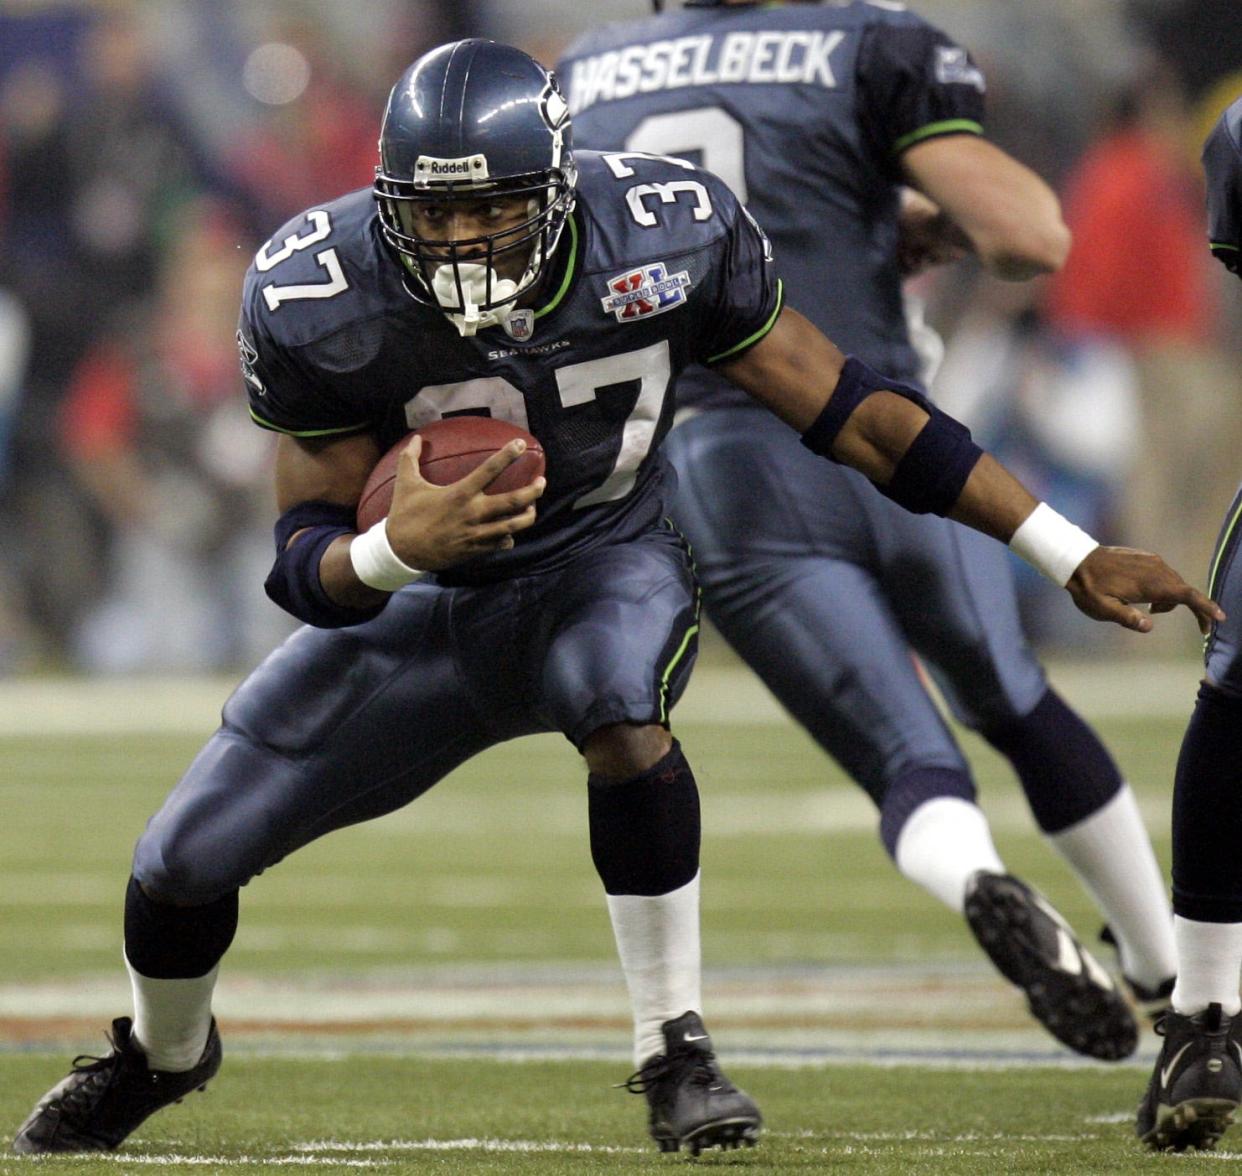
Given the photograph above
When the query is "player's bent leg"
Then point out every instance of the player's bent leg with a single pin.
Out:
(294, 759)
(824, 642)
(1196, 1084)
(805, 606)
(321, 736)
(169, 1048)
(645, 834)
(620, 638)
(968, 629)
(1090, 816)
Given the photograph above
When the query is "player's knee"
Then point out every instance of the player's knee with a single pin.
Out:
(621, 751)
(171, 877)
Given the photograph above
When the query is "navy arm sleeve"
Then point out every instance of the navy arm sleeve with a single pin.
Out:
(1222, 163)
(915, 84)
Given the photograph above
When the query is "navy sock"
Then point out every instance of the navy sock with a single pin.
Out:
(645, 831)
(1207, 812)
(168, 942)
(914, 788)
(1065, 771)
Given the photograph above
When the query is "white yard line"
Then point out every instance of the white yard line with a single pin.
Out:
(471, 1144)
(171, 1161)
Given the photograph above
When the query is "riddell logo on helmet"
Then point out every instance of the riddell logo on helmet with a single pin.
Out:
(428, 168)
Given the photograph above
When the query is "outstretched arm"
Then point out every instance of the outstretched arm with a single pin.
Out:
(795, 371)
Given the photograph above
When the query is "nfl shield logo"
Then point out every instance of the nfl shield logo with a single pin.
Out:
(643, 292)
(520, 324)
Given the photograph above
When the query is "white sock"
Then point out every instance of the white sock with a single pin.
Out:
(658, 942)
(172, 1018)
(1113, 858)
(943, 842)
(1209, 959)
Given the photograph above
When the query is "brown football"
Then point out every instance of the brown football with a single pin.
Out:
(452, 447)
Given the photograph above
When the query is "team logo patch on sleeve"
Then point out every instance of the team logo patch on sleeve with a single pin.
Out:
(642, 292)
(954, 67)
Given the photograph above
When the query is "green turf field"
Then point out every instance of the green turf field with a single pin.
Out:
(436, 991)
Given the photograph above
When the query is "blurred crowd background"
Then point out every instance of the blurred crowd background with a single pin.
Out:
(149, 147)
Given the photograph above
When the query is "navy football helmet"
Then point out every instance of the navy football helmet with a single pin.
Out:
(469, 120)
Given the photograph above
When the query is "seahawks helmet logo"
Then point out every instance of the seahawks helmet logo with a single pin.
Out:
(554, 108)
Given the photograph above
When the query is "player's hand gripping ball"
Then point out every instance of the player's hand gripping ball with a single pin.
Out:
(451, 449)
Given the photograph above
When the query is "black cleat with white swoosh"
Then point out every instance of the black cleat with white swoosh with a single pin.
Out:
(1197, 1083)
(1067, 990)
(691, 1102)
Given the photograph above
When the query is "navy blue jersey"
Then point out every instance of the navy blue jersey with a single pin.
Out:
(1222, 161)
(804, 110)
(658, 269)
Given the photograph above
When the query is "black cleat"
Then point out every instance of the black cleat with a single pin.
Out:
(1067, 989)
(1197, 1083)
(690, 1100)
(104, 1099)
(1151, 1003)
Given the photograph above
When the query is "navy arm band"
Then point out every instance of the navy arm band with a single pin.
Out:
(293, 583)
(931, 473)
(855, 383)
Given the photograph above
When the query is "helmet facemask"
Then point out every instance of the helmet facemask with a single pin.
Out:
(461, 276)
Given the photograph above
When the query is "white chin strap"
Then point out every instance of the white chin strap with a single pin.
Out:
(474, 287)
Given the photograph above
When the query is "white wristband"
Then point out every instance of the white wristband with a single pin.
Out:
(1051, 544)
(375, 562)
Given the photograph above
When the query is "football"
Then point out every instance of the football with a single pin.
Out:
(452, 447)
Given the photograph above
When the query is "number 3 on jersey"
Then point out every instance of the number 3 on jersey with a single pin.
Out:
(636, 197)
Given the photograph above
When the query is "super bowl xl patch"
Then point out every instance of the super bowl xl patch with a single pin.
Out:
(642, 292)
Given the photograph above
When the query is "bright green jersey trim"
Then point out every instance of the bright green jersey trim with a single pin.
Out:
(1215, 245)
(759, 334)
(672, 665)
(570, 271)
(258, 420)
(950, 126)
(1227, 535)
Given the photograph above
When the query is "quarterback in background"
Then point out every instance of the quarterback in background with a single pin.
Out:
(1196, 1085)
(822, 119)
(493, 270)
